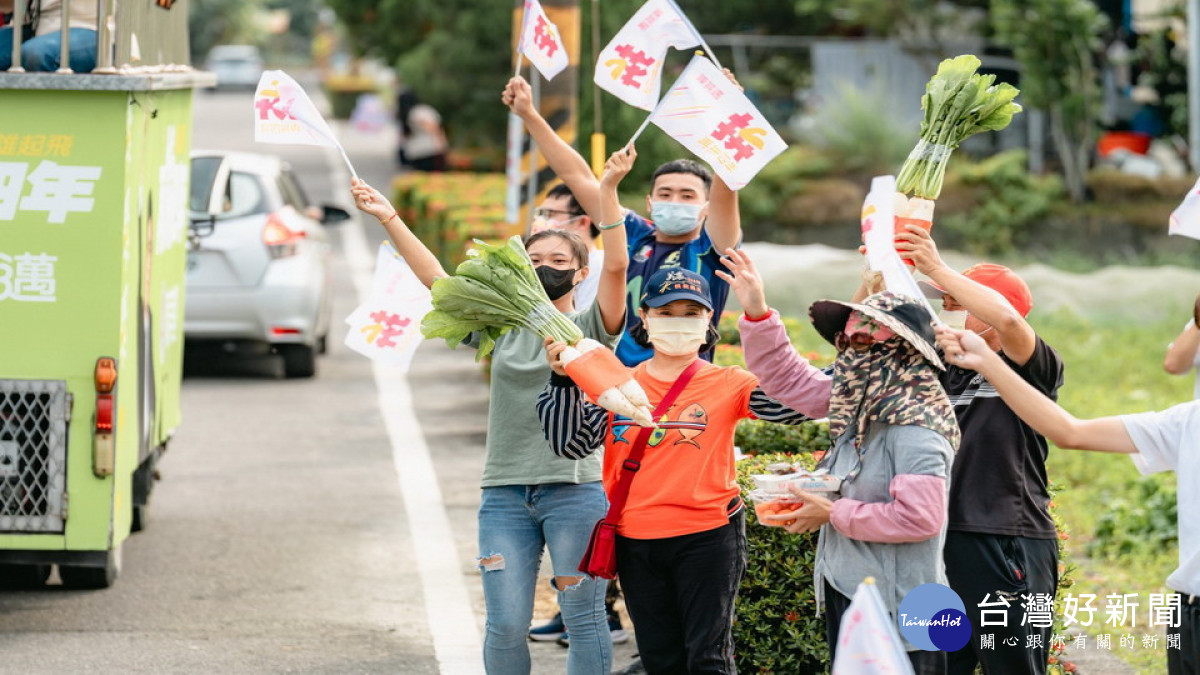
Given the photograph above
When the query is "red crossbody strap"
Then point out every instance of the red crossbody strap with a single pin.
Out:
(633, 462)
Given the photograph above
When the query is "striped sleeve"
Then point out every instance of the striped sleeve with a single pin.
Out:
(770, 410)
(573, 427)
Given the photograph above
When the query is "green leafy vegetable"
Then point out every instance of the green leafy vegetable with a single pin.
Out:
(491, 293)
(958, 103)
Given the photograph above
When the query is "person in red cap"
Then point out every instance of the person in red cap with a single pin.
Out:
(1001, 548)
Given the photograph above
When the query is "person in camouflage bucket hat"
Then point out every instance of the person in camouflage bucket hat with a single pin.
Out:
(893, 437)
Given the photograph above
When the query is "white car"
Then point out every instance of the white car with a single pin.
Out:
(258, 261)
(236, 66)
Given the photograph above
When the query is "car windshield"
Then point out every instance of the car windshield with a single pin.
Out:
(204, 172)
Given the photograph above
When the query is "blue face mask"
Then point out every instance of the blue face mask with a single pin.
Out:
(675, 218)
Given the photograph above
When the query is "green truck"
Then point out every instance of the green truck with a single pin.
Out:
(93, 237)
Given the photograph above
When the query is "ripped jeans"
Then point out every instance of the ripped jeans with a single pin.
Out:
(515, 523)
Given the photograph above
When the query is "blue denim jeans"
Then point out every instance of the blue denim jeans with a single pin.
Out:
(41, 54)
(515, 523)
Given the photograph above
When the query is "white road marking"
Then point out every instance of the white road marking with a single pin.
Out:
(448, 608)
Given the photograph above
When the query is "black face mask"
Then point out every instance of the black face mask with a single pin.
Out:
(556, 282)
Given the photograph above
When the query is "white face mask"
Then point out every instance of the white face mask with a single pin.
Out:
(677, 336)
(956, 319)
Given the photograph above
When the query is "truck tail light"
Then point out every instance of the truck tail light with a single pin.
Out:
(280, 239)
(103, 444)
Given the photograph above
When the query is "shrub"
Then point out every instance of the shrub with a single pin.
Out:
(862, 141)
(1147, 521)
(776, 628)
(782, 179)
(1010, 202)
(448, 210)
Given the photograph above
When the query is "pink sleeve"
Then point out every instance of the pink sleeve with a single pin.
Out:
(783, 374)
(916, 514)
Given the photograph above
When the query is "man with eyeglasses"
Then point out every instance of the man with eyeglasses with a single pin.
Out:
(561, 211)
(1001, 544)
(693, 217)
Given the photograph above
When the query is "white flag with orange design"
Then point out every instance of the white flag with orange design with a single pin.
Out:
(387, 327)
(541, 42)
(710, 116)
(283, 113)
(630, 67)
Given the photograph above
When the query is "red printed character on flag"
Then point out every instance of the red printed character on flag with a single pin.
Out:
(630, 66)
(541, 42)
(283, 113)
(385, 328)
(710, 116)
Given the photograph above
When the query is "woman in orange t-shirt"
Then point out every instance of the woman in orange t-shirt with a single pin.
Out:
(681, 544)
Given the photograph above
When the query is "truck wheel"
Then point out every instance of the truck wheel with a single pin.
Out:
(23, 577)
(78, 577)
(298, 360)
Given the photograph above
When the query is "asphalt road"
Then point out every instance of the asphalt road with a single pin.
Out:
(317, 526)
(278, 539)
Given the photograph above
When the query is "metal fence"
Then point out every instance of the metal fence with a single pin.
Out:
(33, 455)
(133, 37)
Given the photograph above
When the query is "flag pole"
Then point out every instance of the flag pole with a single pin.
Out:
(645, 123)
(708, 50)
(347, 161)
(517, 70)
(699, 38)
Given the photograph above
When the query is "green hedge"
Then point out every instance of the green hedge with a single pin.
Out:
(777, 629)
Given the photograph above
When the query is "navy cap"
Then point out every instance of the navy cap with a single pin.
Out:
(675, 283)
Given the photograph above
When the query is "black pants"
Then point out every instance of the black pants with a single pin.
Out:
(995, 566)
(679, 592)
(1186, 659)
(836, 604)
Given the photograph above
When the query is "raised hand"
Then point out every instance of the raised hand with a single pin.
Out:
(619, 164)
(745, 282)
(963, 348)
(916, 244)
(518, 97)
(369, 200)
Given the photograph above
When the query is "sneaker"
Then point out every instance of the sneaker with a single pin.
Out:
(549, 631)
(619, 635)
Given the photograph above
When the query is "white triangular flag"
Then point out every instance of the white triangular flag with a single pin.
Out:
(541, 41)
(1185, 220)
(630, 66)
(283, 113)
(710, 116)
(387, 327)
(868, 642)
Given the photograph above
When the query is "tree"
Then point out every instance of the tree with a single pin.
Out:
(216, 22)
(1058, 73)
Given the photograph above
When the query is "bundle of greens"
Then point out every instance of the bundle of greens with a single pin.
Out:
(958, 103)
(496, 290)
(492, 292)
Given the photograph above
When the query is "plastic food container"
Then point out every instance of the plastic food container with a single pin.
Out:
(769, 504)
(780, 484)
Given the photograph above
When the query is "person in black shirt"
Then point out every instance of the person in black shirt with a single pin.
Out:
(1001, 549)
